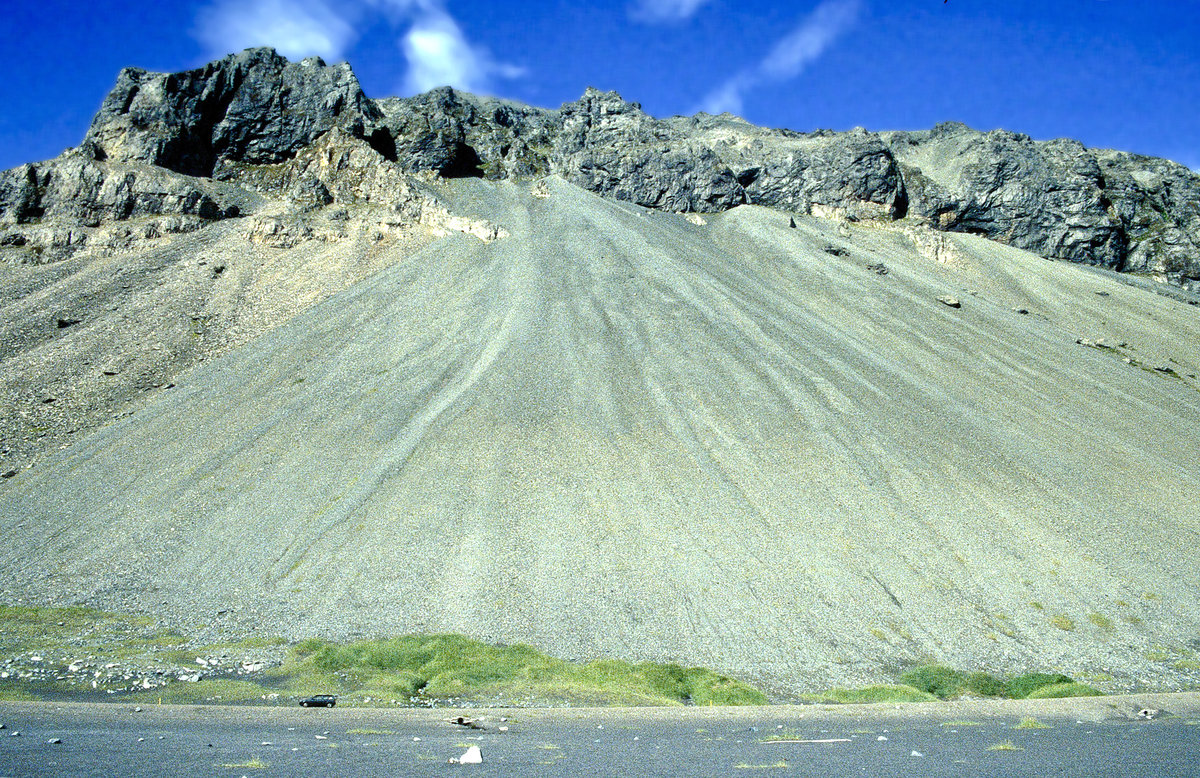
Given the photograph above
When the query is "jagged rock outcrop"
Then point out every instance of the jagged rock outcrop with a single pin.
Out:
(612, 147)
(253, 107)
(342, 169)
(1056, 198)
(1158, 204)
(1047, 197)
(51, 208)
(850, 174)
(455, 134)
(75, 187)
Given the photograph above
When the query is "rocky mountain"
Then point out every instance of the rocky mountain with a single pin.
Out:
(276, 356)
(1055, 198)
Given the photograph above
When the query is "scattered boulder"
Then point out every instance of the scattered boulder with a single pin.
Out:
(472, 756)
(953, 302)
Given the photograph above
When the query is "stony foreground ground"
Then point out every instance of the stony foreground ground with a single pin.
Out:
(1116, 736)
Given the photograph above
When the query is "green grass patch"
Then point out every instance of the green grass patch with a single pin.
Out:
(1102, 621)
(407, 669)
(780, 765)
(869, 694)
(938, 680)
(452, 666)
(1030, 723)
(1056, 690)
(947, 683)
(1063, 622)
(253, 764)
(369, 732)
(1005, 745)
(1023, 686)
(961, 724)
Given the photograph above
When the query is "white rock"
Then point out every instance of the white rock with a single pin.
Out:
(916, 753)
(881, 738)
(472, 756)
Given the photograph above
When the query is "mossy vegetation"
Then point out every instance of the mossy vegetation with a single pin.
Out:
(65, 649)
(1030, 723)
(412, 667)
(947, 683)
(869, 694)
(1063, 622)
(1056, 690)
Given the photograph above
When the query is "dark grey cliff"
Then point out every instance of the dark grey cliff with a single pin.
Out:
(251, 107)
(1056, 198)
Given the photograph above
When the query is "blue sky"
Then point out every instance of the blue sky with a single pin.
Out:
(1112, 73)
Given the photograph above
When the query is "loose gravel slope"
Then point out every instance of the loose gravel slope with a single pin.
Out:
(619, 432)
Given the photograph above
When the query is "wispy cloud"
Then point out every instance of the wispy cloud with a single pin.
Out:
(790, 55)
(435, 48)
(296, 28)
(660, 11)
(439, 54)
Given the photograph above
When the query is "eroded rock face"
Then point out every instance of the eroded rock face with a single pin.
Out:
(1056, 198)
(824, 173)
(53, 207)
(612, 147)
(253, 107)
(1158, 204)
(1047, 197)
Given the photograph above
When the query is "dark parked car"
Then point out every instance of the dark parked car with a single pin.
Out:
(319, 701)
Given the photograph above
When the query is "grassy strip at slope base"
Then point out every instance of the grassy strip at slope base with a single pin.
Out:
(868, 694)
(65, 653)
(937, 682)
(946, 683)
(415, 667)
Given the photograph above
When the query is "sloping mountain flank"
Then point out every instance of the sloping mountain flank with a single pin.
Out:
(476, 367)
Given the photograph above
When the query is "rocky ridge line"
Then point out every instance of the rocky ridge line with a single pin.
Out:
(1056, 198)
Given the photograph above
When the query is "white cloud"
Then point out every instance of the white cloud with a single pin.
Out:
(727, 97)
(435, 49)
(790, 55)
(295, 28)
(439, 54)
(658, 11)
